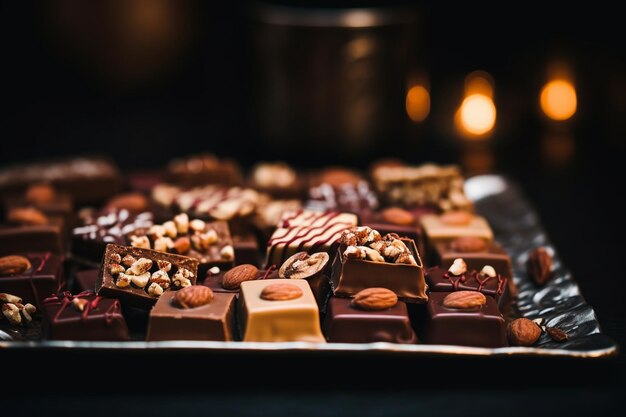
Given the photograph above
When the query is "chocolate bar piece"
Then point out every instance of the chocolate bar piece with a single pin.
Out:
(308, 231)
(427, 185)
(208, 242)
(84, 316)
(476, 253)
(35, 276)
(98, 228)
(442, 280)
(204, 169)
(87, 180)
(213, 320)
(278, 310)
(138, 277)
(345, 323)
(45, 238)
(480, 326)
(357, 267)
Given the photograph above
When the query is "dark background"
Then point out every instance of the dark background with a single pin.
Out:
(73, 82)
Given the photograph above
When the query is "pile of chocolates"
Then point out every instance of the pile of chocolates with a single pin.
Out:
(202, 252)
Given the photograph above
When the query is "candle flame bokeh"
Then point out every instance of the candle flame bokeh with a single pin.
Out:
(476, 117)
(418, 103)
(558, 99)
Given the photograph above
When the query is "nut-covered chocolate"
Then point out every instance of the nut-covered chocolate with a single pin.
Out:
(303, 266)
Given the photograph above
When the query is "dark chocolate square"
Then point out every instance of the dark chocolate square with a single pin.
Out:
(493, 254)
(347, 324)
(44, 278)
(100, 319)
(480, 327)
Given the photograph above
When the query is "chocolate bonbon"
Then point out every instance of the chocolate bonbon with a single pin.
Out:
(38, 276)
(203, 315)
(476, 252)
(278, 310)
(84, 316)
(139, 277)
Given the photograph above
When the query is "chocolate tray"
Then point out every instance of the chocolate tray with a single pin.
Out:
(518, 230)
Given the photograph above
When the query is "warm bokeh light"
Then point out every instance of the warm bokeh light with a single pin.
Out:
(558, 100)
(477, 115)
(418, 103)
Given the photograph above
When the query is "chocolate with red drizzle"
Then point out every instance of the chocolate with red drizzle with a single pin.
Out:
(45, 277)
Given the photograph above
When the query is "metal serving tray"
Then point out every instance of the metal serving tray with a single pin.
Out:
(518, 230)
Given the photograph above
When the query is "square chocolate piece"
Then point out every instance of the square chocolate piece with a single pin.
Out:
(347, 324)
(41, 277)
(212, 321)
(481, 326)
(308, 231)
(351, 275)
(138, 277)
(476, 253)
(84, 316)
(278, 310)
(441, 280)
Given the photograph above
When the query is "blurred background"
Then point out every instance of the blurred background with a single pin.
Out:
(532, 91)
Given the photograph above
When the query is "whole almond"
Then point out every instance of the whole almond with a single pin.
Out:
(193, 296)
(539, 265)
(396, 215)
(465, 299)
(14, 265)
(28, 216)
(375, 298)
(232, 279)
(523, 332)
(557, 335)
(281, 292)
(468, 244)
(456, 218)
(40, 194)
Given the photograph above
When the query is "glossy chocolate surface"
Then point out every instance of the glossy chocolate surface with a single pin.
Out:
(213, 321)
(493, 254)
(440, 280)
(479, 327)
(278, 321)
(101, 318)
(347, 324)
(131, 295)
(44, 278)
(349, 276)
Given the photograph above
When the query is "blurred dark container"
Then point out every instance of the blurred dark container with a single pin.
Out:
(333, 77)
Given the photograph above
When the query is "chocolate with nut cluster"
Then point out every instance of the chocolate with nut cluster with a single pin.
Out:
(366, 259)
(476, 252)
(464, 318)
(98, 228)
(31, 276)
(138, 277)
(193, 313)
(208, 242)
(84, 316)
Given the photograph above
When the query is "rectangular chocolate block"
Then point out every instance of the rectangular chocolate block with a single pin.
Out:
(208, 242)
(440, 280)
(480, 327)
(212, 321)
(30, 239)
(396, 220)
(347, 324)
(290, 320)
(166, 271)
(349, 276)
(475, 254)
(308, 231)
(84, 316)
(43, 278)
